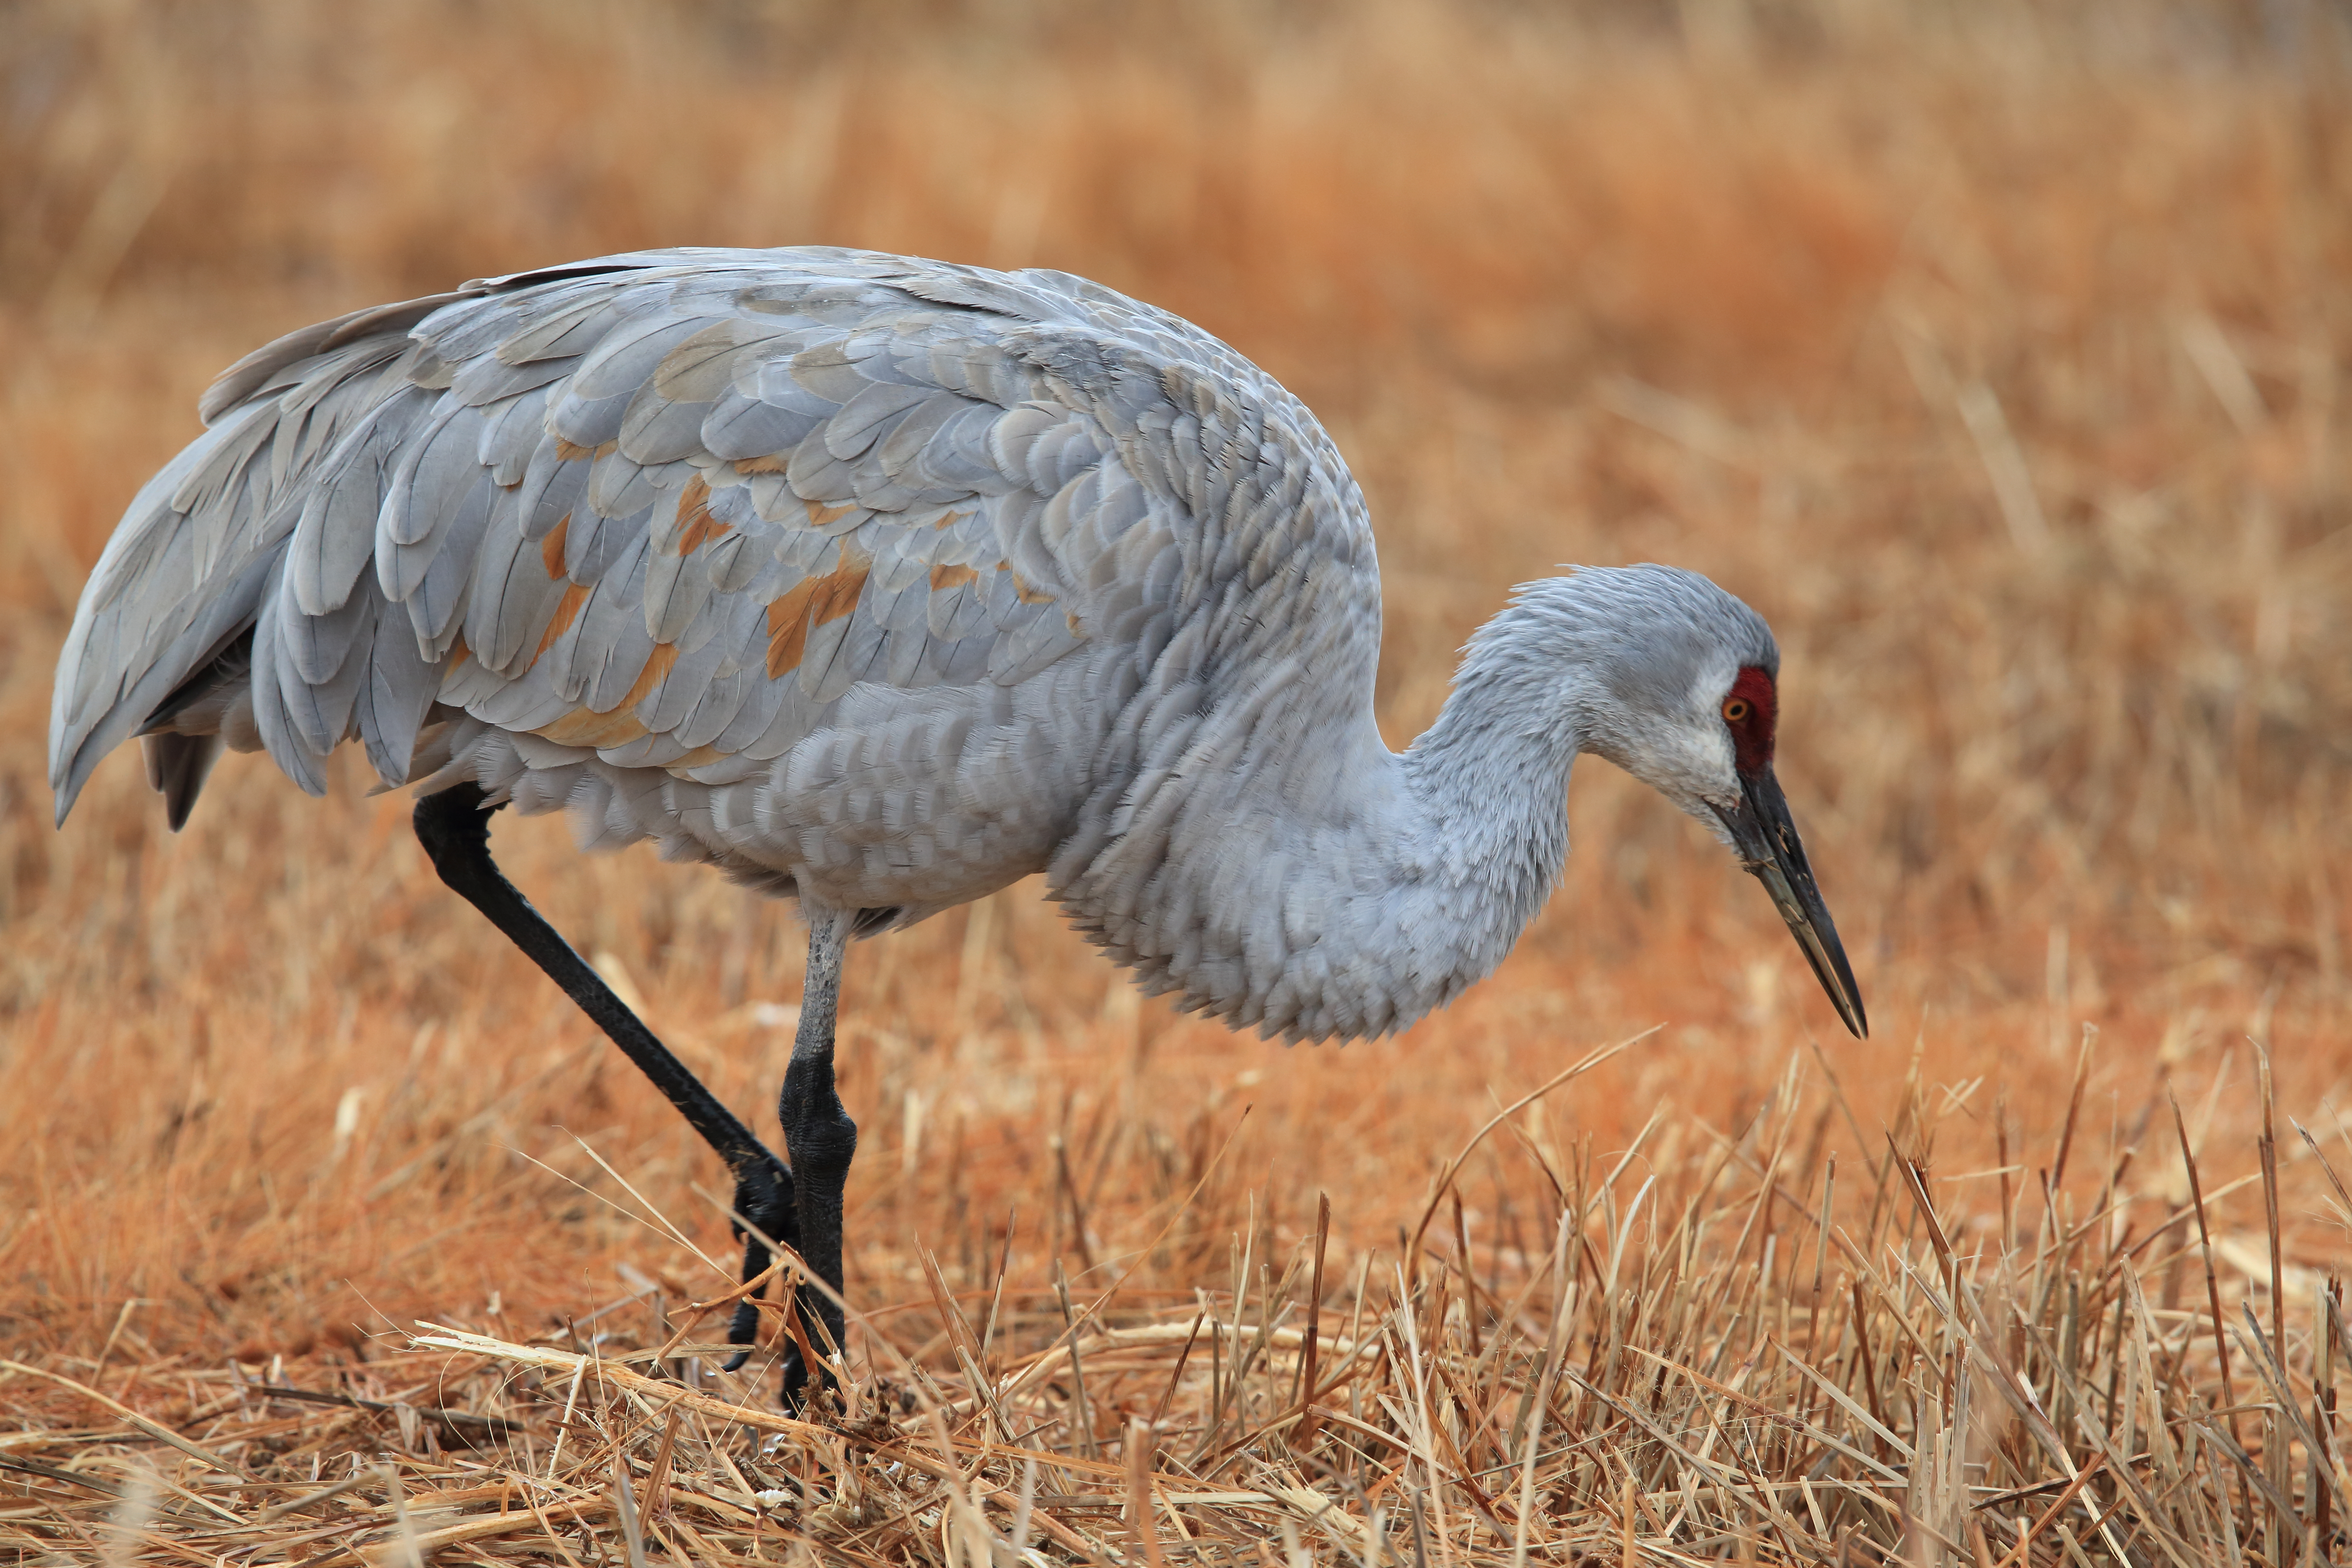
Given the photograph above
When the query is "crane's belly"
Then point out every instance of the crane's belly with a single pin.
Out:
(912, 801)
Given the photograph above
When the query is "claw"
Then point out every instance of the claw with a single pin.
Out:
(795, 1383)
(742, 1330)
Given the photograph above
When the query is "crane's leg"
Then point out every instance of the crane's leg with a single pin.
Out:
(818, 1133)
(454, 826)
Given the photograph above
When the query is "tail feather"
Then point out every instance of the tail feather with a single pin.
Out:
(266, 367)
(305, 572)
(214, 609)
(176, 766)
(202, 551)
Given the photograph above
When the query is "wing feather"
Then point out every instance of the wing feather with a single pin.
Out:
(511, 434)
(738, 427)
(594, 540)
(619, 485)
(436, 577)
(320, 711)
(731, 694)
(402, 681)
(514, 592)
(271, 679)
(436, 466)
(554, 482)
(578, 324)
(334, 536)
(487, 379)
(597, 395)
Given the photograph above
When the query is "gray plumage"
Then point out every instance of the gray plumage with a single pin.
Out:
(882, 583)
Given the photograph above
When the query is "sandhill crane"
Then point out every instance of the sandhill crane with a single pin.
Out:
(881, 582)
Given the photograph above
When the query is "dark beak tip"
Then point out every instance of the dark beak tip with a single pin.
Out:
(1769, 850)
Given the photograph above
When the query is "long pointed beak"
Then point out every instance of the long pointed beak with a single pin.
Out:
(1768, 844)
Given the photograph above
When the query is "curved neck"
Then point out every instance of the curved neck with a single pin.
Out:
(1487, 791)
(1287, 871)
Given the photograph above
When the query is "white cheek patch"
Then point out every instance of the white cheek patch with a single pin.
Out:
(1690, 762)
(1686, 756)
(1711, 686)
(1713, 763)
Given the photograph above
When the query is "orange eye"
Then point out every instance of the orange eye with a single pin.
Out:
(1735, 709)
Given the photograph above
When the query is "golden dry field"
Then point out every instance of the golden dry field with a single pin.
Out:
(2000, 355)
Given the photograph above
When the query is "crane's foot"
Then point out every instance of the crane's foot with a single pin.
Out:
(824, 1139)
(800, 1213)
(795, 1395)
(763, 1196)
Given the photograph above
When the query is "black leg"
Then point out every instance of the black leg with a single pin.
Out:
(454, 826)
(818, 1133)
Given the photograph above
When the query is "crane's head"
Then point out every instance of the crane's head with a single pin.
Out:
(1682, 691)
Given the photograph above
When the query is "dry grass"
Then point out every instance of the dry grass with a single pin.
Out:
(1996, 358)
(1694, 1361)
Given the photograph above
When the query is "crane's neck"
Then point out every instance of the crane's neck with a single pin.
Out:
(1280, 867)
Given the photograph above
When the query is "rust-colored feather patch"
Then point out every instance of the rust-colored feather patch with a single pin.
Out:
(582, 727)
(819, 514)
(552, 548)
(697, 527)
(567, 610)
(620, 724)
(807, 606)
(657, 668)
(946, 577)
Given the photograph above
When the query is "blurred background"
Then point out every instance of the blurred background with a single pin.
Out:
(1996, 353)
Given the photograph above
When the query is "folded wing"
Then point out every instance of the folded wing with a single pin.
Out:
(665, 509)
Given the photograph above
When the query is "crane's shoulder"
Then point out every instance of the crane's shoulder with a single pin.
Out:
(1036, 335)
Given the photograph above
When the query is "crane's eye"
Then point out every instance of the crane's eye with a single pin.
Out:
(1735, 709)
